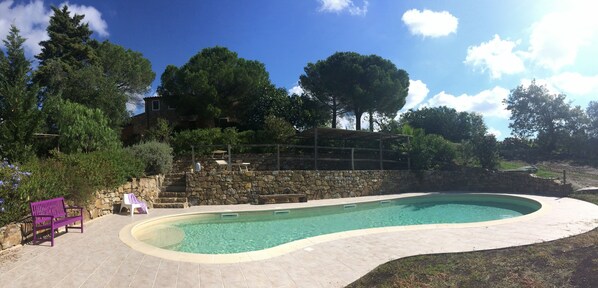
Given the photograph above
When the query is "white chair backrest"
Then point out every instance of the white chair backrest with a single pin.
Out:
(127, 199)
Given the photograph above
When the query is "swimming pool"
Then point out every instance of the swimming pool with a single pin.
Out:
(236, 232)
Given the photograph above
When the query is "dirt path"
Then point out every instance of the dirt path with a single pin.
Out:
(578, 176)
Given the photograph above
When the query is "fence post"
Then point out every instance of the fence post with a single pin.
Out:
(316, 149)
(193, 156)
(381, 157)
(352, 158)
(229, 158)
(277, 157)
(564, 176)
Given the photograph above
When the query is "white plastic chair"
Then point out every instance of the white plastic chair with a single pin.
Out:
(131, 202)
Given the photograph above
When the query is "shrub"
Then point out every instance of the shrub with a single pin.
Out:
(201, 139)
(485, 149)
(74, 176)
(432, 152)
(156, 156)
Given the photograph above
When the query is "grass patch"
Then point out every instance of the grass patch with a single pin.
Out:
(569, 262)
(543, 171)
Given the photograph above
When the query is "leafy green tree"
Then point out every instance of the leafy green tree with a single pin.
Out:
(214, 83)
(19, 114)
(98, 75)
(348, 81)
(161, 132)
(485, 150)
(305, 112)
(446, 122)
(271, 101)
(277, 130)
(67, 49)
(592, 112)
(431, 151)
(536, 112)
(82, 129)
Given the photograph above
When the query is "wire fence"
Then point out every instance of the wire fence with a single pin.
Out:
(297, 157)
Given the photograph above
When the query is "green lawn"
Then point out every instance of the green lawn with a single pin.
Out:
(569, 262)
(543, 171)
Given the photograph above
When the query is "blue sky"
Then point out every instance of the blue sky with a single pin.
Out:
(463, 54)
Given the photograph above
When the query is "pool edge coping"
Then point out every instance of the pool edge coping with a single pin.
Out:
(126, 233)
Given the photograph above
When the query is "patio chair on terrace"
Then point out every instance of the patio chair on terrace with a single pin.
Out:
(131, 202)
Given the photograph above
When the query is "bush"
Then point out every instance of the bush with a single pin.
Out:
(156, 156)
(432, 152)
(201, 139)
(76, 177)
(485, 149)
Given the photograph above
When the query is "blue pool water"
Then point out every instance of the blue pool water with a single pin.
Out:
(223, 233)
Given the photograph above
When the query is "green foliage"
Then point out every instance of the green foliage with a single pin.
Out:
(592, 112)
(485, 149)
(98, 75)
(348, 81)
(305, 112)
(277, 130)
(431, 151)
(81, 129)
(12, 192)
(446, 122)
(271, 101)
(74, 176)
(536, 112)
(156, 156)
(19, 116)
(161, 132)
(200, 138)
(215, 83)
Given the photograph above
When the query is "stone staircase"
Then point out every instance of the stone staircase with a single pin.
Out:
(172, 194)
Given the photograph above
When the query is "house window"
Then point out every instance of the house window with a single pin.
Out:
(155, 105)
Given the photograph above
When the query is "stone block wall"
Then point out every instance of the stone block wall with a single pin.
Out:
(225, 187)
(106, 202)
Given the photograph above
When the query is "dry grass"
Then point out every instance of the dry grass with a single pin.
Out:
(569, 262)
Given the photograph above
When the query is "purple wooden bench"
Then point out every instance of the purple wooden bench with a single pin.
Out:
(52, 214)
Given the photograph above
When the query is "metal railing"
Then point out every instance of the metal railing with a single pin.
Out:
(319, 156)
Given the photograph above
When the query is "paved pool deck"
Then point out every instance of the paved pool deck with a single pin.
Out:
(98, 257)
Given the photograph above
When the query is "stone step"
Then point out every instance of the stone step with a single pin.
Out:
(170, 205)
(172, 194)
(177, 182)
(174, 188)
(171, 200)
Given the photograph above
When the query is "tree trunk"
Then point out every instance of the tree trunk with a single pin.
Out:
(334, 108)
(371, 121)
(358, 120)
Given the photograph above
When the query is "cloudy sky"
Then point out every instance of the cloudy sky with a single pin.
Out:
(463, 54)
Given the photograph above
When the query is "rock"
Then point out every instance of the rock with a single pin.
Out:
(10, 236)
(591, 189)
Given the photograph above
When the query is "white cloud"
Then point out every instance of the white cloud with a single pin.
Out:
(496, 56)
(575, 83)
(418, 91)
(487, 102)
(296, 90)
(494, 132)
(92, 16)
(557, 37)
(430, 23)
(33, 18)
(338, 6)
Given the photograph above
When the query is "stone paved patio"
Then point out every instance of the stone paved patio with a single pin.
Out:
(97, 258)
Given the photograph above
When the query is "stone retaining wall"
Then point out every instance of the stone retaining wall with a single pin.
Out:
(224, 187)
(106, 202)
